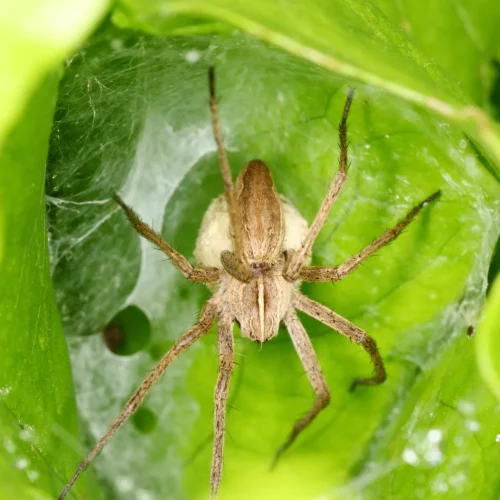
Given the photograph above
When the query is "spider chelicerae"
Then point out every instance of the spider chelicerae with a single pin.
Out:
(253, 251)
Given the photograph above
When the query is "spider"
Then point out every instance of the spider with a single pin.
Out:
(254, 250)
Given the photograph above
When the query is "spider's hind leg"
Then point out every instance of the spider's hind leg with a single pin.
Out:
(242, 270)
(198, 274)
(325, 273)
(297, 260)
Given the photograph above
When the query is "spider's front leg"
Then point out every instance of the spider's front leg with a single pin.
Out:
(305, 350)
(340, 324)
(226, 364)
(208, 316)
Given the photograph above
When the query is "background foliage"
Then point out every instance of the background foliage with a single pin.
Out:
(132, 116)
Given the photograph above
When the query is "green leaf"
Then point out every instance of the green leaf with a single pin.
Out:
(37, 408)
(133, 118)
(441, 438)
(488, 340)
(443, 29)
(35, 36)
(338, 36)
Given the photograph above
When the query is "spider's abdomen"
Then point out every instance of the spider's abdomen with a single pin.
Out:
(215, 235)
(260, 211)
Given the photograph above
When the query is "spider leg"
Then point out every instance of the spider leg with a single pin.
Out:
(199, 274)
(243, 271)
(305, 350)
(207, 317)
(232, 264)
(226, 363)
(319, 273)
(293, 266)
(340, 324)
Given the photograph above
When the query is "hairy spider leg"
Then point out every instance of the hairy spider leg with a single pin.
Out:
(208, 316)
(297, 259)
(242, 268)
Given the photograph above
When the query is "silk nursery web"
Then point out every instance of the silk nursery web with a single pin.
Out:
(133, 117)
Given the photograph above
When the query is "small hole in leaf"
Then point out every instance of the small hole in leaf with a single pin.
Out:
(144, 420)
(114, 337)
(128, 332)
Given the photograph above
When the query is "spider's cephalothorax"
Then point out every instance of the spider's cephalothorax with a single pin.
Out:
(253, 251)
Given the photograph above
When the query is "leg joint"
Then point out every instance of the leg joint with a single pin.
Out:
(324, 396)
(368, 343)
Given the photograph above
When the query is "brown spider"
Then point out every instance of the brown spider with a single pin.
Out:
(254, 250)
